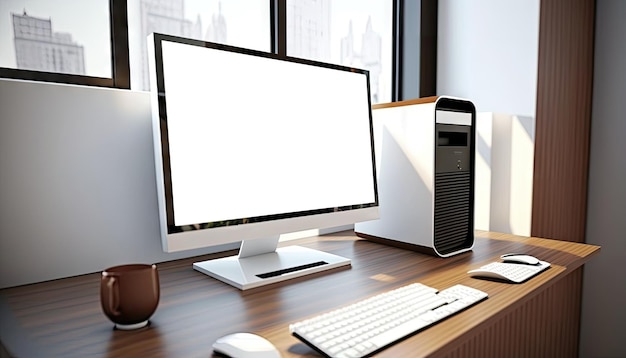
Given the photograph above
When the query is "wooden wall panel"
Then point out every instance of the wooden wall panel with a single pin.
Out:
(544, 326)
(564, 92)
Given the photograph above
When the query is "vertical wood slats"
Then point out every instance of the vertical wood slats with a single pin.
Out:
(564, 91)
(544, 326)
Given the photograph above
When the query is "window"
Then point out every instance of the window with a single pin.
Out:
(243, 23)
(102, 42)
(43, 40)
(339, 32)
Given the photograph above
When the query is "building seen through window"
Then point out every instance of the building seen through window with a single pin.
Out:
(243, 23)
(38, 48)
(44, 36)
(337, 31)
(74, 36)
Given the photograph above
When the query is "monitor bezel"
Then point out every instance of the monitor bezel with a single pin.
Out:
(177, 238)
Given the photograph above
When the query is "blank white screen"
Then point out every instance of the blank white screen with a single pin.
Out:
(252, 136)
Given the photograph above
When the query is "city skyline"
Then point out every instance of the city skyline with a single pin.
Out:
(237, 27)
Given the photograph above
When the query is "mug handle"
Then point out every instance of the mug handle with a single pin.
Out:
(114, 295)
(155, 282)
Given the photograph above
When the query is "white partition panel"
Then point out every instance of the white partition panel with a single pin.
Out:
(504, 172)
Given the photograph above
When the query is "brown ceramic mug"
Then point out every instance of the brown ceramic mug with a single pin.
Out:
(129, 294)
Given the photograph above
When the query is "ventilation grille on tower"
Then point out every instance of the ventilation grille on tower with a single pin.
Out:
(452, 212)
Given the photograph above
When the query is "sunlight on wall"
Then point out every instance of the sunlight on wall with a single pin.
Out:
(504, 172)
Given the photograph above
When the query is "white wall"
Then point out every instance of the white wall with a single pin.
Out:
(604, 297)
(505, 147)
(77, 185)
(487, 53)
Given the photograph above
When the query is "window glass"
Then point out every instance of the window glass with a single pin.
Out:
(345, 32)
(243, 23)
(62, 36)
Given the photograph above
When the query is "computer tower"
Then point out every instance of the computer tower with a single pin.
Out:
(425, 153)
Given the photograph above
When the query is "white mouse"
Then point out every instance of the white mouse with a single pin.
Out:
(488, 274)
(520, 259)
(245, 345)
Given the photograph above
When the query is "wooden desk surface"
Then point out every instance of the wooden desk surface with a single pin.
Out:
(64, 317)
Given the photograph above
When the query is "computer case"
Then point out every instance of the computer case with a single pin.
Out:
(425, 153)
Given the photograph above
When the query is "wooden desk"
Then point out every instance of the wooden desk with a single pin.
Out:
(537, 318)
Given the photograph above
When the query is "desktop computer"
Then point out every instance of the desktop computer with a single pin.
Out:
(425, 153)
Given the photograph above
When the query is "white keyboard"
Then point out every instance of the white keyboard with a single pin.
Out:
(368, 326)
(513, 272)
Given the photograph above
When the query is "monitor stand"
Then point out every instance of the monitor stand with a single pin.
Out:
(260, 262)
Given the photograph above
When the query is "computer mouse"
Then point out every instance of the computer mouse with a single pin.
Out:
(520, 259)
(245, 345)
(488, 274)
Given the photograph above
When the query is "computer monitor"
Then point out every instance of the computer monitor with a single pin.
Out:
(251, 145)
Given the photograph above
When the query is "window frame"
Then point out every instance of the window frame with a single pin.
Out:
(411, 44)
(415, 42)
